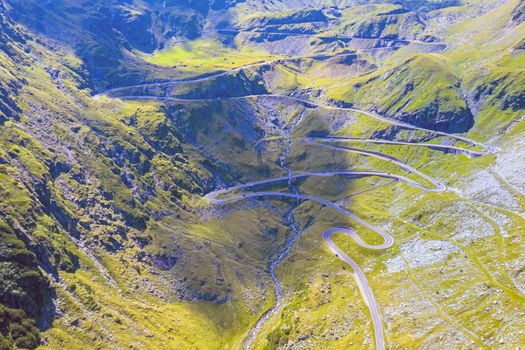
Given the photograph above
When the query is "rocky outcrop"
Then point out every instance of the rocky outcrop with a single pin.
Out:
(242, 83)
(518, 14)
(135, 25)
(11, 42)
(26, 298)
(8, 33)
(506, 90)
(428, 5)
(301, 16)
(406, 25)
(514, 101)
(8, 107)
(432, 117)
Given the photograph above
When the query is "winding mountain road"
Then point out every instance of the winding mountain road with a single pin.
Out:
(221, 196)
(359, 275)
(388, 241)
(211, 75)
(486, 150)
(205, 77)
(469, 153)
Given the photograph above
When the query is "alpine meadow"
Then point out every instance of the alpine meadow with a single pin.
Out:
(262, 174)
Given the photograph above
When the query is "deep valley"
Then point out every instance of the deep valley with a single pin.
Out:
(255, 174)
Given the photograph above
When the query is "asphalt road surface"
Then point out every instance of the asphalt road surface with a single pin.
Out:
(222, 196)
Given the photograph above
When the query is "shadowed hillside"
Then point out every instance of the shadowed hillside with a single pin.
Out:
(262, 174)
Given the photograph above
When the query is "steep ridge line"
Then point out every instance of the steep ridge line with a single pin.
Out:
(330, 37)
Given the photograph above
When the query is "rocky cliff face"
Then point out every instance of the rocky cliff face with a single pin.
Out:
(11, 43)
(26, 297)
(518, 14)
(432, 117)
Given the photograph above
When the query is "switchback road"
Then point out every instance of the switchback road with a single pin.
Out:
(222, 196)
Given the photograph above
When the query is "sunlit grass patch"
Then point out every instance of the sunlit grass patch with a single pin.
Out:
(206, 55)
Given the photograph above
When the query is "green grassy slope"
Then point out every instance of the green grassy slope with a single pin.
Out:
(472, 295)
(105, 237)
(99, 219)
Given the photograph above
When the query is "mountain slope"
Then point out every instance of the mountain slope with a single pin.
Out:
(119, 121)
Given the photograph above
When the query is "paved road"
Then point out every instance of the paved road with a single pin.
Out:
(220, 196)
(438, 186)
(331, 37)
(359, 275)
(362, 282)
(388, 240)
(486, 149)
(469, 153)
(205, 77)
(326, 173)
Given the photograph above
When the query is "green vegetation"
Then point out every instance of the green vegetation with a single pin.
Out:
(17, 330)
(206, 56)
(382, 21)
(106, 236)
(24, 290)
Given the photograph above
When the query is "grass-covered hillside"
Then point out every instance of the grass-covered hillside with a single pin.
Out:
(120, 119)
